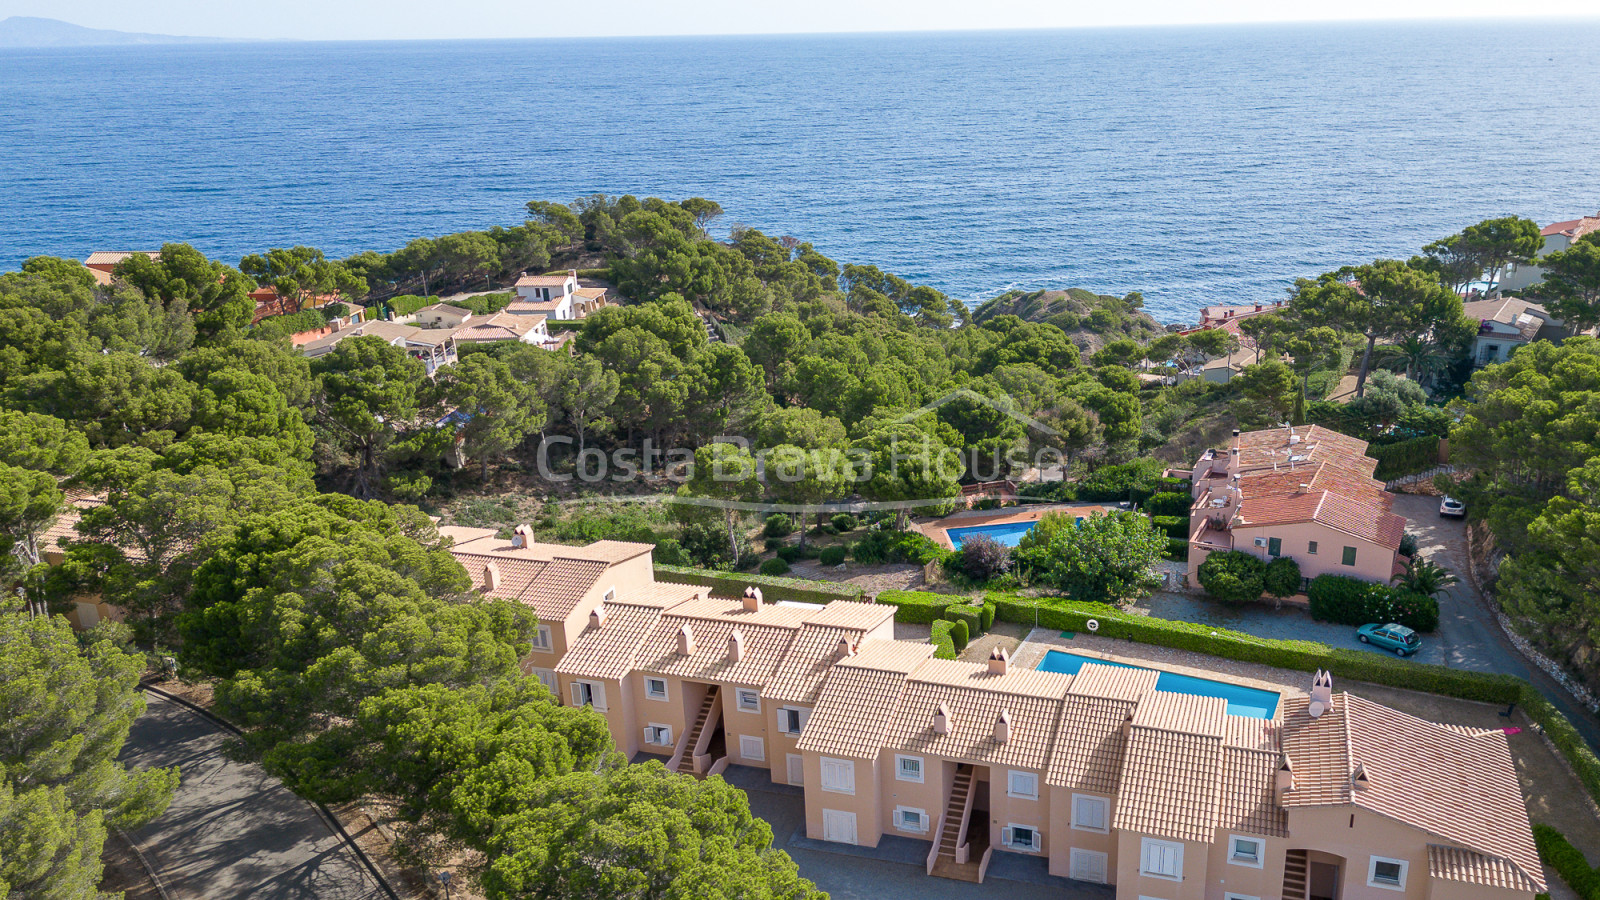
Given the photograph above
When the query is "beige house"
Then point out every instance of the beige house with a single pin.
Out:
(558, 297)
(1506, 323)
(101, 262)
(1305, 493)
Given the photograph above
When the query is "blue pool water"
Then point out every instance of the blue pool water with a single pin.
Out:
(1008, 535)
(1250, 703)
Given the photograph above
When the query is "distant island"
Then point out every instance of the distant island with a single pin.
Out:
(31, 31)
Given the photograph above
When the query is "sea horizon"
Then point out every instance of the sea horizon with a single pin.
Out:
(1194, 163)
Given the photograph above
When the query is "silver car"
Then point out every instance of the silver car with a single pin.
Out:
(1452, 507)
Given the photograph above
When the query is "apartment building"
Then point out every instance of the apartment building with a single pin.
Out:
(1304, 492)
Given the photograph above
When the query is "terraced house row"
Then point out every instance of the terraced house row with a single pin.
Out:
(1098, 776)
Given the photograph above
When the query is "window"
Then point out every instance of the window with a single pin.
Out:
(752, 747)
(1087, 865)
(1088, 813)
(1383, 872)
(1244, 851)
(1021, 837)
(658, 735)
(655, 688)
(748, 700)
(797, 769)
(1349, 556)
(1022, 784)
(792, 720)
(838, 775)
(908, 768)
(1311, 548)
(909, 819)
(1274, 546)
(611, 595)
(1161, 859)
(547, 677)
(589, 693)
(541, 639)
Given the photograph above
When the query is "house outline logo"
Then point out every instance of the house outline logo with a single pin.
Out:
(970, 394)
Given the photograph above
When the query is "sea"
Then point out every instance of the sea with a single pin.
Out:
(1195, 165)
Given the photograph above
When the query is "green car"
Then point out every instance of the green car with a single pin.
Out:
(1402, 640)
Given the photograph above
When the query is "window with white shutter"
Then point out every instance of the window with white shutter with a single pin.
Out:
(838, 775)
(1023, 784)
(1089, 813)
(1021, 837)
(658, 735)
(1161, 859)
(752, 747)
(1088, 865)
(907, 818)
(908, 768)
(792, 720)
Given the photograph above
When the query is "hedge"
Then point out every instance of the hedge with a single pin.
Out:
(1177, 548)
(944, 644)
(960, 634)
(775, 566)
(987, 616)
(1568, 861)
(732, 584)
(1351, 601)
(1169, 503)
(293, 323)
(406, 304)
(1308, 656)
(972, 615)
(1406, 457)
(1174, 526)
(590, 273)
(561, 325)
(917, 607)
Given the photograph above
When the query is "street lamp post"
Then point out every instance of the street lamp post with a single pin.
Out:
(444, 879)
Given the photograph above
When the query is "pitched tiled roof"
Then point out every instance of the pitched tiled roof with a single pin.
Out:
(112, 257)
(766, 634)
(1251, 734)
(1572, 228)
(1170, 784)
(548, 577)
(853, 710)
(1322, 477)
(611, 650)
(1461, 786)
(1456, 864)
(591, 293)
(852, 614)
(975, 698)
(1189, 713)
(1090, 743)
(1248, 801)
(542, 280)
(1113, 682)
(798, 678)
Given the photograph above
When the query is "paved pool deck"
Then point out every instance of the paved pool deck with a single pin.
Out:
(938, 529)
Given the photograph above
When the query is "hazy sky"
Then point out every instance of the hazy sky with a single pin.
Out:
(402, 19)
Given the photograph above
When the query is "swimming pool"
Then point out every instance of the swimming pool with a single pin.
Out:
(1006, 535)
(1250, 703)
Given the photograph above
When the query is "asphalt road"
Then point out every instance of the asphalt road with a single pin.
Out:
(233, 830)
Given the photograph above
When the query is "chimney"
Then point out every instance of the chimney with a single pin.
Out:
(843, 649)
(335, 325)
(685, 641)
(1304, 486)
(573, 274)
(752, 600)
(491, 577)
(1321, 694)
(735, 646)
(1227, 314)
(1002, 727)
(1285, 777)
(941, 719)
(998, 661)
(597, 616)
(1258, 307)
(1359, 779)
(522, 536)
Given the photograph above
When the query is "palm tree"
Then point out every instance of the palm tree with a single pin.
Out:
(1426, 577)
(1421, 356)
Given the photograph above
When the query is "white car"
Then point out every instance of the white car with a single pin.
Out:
(1450, 506)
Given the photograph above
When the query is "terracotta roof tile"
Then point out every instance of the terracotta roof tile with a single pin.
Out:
(852, 614)
(1170, 784)
(1248, 801)
(1456, 864)
(1251, 734)
(975, 698)
(1090, 744)
(1319, 751)
(1113, 682)
(1188, 713)
(611, 650)
(799, 675)
(853, 711)
(542, 280)
(766, 635)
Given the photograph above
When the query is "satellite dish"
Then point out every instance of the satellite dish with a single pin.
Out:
(1092, 625)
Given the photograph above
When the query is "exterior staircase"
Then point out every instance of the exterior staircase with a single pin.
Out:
(954, 857)
(692, 740)
(1295, 873)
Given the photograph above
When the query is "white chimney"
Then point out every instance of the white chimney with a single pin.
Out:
(999, 661)
(597, 616)
(1321, 694)
(751, 601)
(941, 719)
(522, 536)
(843, 649)
(735, 646)
(491, 577)
(1285, 777)
(1002, 727)
(685, 641)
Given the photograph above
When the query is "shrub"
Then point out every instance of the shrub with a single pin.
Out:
(773, 545)
(1351, 601)
(1177, 548)
(832, 556)
(843, 522)
(293, 323)
(406, 304)
(987, 616)
(886, 546)
(1169, 503)
(917, 607)
(1174, 526)
(1282, 577)
(790, 554)
(707, 544)
(728, 584)
(778, 525)
(1233, 576)
(1135, 481)
(987, 503)
(775, 566)
(982, 557)
(960, 634)
(670, 553)
(1405, 458)
(1568, 861)
(1408, 544)
(944, 645)
(1102, 558)
(971, 616)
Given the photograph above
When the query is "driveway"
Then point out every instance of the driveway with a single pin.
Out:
(233, 830)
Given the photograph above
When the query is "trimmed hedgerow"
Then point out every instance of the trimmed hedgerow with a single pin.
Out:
(730, 584)
(917, 607)
(1561, 732)
(971, 615)
(1169, 503)
(1174, 526)
(1177, 548)
(1405, 457)
(944, 644)
(960, 634)
(986, 618)
(1568, 861)
(1351, 601)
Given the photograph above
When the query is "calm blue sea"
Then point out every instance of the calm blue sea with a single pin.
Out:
(1194, 164)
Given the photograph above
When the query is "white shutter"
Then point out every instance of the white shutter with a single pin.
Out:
(577, 693)
(1036, 840)
(1005, 836)
(1087, 865)
(649, 734)
(797, 769)
(598, 692)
